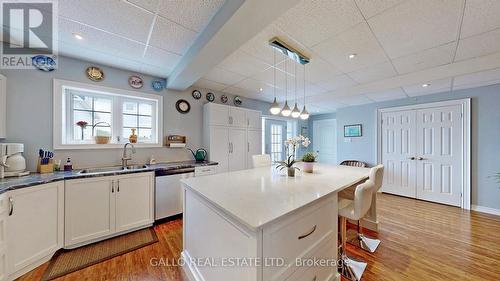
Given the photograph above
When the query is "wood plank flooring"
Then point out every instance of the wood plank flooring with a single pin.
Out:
(420, 241)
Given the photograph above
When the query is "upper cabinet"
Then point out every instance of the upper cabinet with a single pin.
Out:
(230, 116)
(3, 107)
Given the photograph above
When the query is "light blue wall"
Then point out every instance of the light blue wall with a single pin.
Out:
(29, 114)
(485, 136)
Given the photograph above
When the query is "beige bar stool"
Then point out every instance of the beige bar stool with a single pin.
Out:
(353, 210)
(261, 160)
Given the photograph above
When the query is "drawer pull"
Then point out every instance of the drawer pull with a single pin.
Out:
(309, 233)
(11, 208)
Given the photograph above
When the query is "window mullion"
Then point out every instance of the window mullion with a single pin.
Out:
(117, 119)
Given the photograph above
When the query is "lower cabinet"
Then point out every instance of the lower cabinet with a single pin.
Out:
(98, 208)
(35, 220)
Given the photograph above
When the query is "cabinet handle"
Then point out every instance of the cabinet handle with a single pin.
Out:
(112, 186)
(232, 148)
(11, 206)
(420, 158)
(309, 233)
(248, 122)
(248, 146)
(230, 120)
(229, 147)
(118, 188)
(412, 158)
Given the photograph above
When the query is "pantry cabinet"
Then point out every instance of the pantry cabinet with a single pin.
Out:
(3, 107)
(98, 208)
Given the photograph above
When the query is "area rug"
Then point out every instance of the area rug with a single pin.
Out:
(67, 261)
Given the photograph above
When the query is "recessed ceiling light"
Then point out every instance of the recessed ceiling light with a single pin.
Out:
(426, 85)
(77, 36)
(351, 56)
(260, 89)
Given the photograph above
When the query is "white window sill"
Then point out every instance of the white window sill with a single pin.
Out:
(104, 146)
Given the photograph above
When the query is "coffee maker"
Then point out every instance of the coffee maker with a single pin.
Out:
(12, 162)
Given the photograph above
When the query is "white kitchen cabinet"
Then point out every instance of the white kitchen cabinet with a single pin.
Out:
(237, 149)
(134, 201)
(35, 226)
(4, 202)
(98, 208)
(3, 107)
(254, 139)
(254, 119)
(237, 117)
(218, 115)
(219, 147)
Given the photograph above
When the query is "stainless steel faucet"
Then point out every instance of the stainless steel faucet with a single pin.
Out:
(126, 157)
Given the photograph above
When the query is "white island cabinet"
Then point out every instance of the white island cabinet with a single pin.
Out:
(260, 225)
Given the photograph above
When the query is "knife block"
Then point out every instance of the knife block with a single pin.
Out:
(44, 169)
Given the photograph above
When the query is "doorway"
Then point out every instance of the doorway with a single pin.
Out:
(325, 140)
(275, 136)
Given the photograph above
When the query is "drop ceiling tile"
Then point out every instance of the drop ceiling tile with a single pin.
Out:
(479, 45)
(311, 89)
(322, 108)
(172, 37)
(210, 85)
(437, 86)
(149, 5)
(223, 76)
(354, 100)
(416, 25)
(370, 8)
(480, 16)
(373, 73)
(358, 40)
(254, 86)
(111, 16)
(425, 59)
(311, 22)
(194, 15)
(155, 70)
(240, 92)
(477, 79)
(267, 76)
(161, 58)
(337, 82)
(319, 70)
(243, 63)
(391, 94)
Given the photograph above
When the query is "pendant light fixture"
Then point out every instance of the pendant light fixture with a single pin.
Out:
(296, 110)
(275, 107)
(304, 115)
(286, 109)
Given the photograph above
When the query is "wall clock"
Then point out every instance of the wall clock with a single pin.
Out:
(223, 99)
(210, 97)
(196, 94)
(237, 101)
(135, 82)
(94, 73)
(182, 106)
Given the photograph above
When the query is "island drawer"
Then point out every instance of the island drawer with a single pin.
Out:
(320, 267)
(205, 170)
(298, 235)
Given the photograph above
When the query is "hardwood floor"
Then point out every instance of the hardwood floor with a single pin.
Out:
(420, 241)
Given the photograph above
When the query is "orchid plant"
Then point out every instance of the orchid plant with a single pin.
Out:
(291, 145)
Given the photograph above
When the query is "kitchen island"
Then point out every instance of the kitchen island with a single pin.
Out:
(261, 225)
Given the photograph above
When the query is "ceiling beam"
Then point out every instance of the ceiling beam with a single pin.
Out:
(235, 23)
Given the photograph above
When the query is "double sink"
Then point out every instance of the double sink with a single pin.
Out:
(113, 169)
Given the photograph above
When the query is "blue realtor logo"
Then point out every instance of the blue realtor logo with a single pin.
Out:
(44, 63)
(158, 85)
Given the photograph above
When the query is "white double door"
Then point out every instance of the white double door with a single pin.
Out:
(422, 151)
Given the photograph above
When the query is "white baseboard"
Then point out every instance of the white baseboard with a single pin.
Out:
(487, 210)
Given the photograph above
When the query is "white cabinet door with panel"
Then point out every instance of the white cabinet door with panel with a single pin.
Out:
(34, 225)
(254, 139)
(219, 147)
(254, 119)
(134, 201)
(89, 209)
(3, 107)
(238, 117)
(237, 149)
(4, 207)
(217, 115)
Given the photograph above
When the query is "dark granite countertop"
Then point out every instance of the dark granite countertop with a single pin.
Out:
(7, 184)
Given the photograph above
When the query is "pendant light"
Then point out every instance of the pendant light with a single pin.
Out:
(286, 109)
(304, 115)
(275, 107)
(296, 110)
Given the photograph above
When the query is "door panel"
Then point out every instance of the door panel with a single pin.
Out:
(219, 114)
(275, 139)
(324, 140)
(254, 145)
(254, 119)
(398, 148)
(238, 149)
(238, 117)
(134, 201)
(219, 147)
(439, 164)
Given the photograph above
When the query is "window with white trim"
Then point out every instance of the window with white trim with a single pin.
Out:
(86, 111)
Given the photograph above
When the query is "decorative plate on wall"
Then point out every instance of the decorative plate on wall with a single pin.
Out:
(223, 99)
(196, 94)
(210, 97)
(182, 106)
(135, 82)
(94, 73)
(158, 85)
(237, 101)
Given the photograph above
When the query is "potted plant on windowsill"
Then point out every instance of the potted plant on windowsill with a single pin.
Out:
(308, 160)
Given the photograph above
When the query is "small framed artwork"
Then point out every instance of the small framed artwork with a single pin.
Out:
(352, 131)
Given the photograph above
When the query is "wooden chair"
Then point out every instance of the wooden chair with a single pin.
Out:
(354, 163)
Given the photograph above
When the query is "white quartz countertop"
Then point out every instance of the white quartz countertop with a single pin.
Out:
(256, 197)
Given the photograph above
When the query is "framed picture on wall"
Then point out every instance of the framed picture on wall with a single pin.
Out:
(352, 131)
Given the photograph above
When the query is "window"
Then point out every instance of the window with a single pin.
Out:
(83, 111)
(276, 142)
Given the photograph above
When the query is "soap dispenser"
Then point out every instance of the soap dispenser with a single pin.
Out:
(68, 166)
